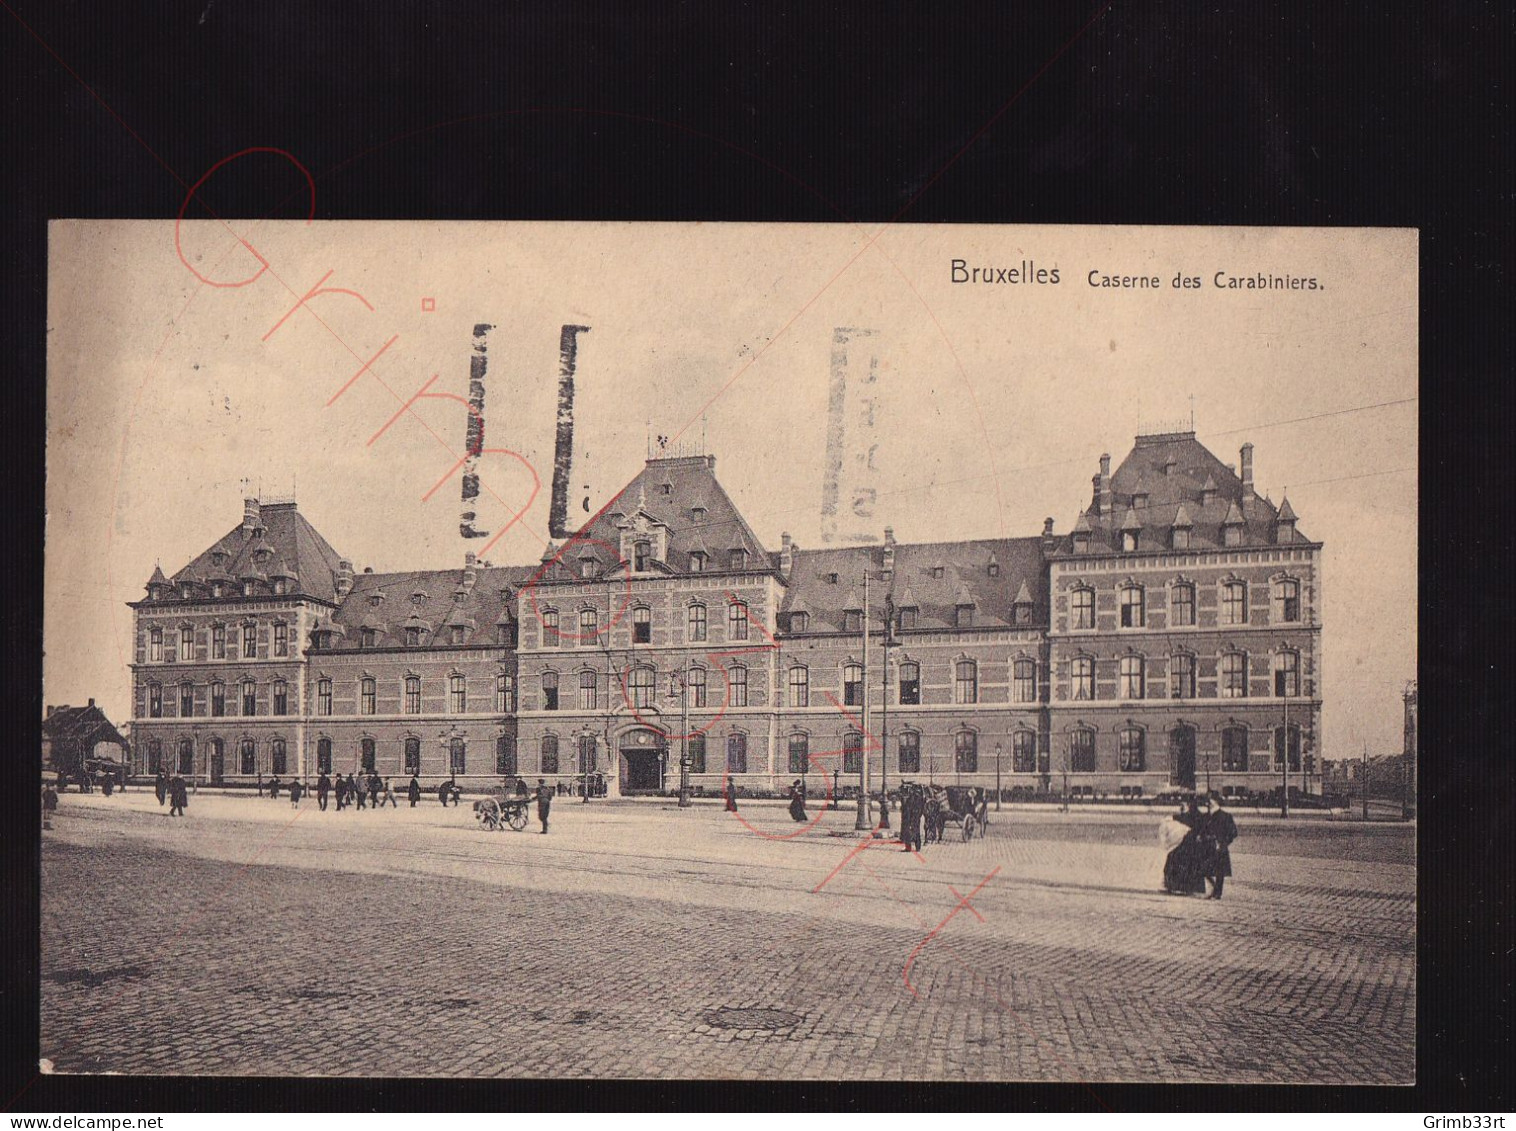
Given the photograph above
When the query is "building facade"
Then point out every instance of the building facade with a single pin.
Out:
(1171, 638)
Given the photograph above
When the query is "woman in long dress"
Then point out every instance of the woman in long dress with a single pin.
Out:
(797, 801)
(1184, 864)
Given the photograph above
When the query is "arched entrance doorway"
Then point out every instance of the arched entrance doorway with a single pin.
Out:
(644, 761)
(1182, 757)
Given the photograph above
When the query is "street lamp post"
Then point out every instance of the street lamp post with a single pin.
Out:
(997, 777)
(684, 732)
(1284, 766)
(861, 818)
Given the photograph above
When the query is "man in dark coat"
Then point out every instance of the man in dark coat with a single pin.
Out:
(160, 786)
(443, 791)
(341, 790)
(413, 791)
(323, 790)
(731, 795)
(273, 787)
(544, 803)
(910, 817)
(178, 796)
(1217, 831)
(297, 790)
(357, 788)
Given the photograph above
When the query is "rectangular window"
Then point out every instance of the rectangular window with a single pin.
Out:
(1286, 601)
(589, 628)
(412, 695)
(249, 757)
(281, 698)
(697, 687)
(1082, 606)
(643, 685)
(852, 620)
(218, 642)
(412, 756)
(457, 757)
(549, 754)
(1234, 676)
(1182, 606)
(550, 691)
(1082, 752)
(368, 697)
(281, 639)
(457, 694)
(324, 697)
(505, 756)
(736, 621)
(642, 625)
(250, 642)
(966, 682)
(1024, 678)
(1234, 603)
(697, 754)
(910, 683)
(549, 628)
(1082, 677)
(852, 685)
(965, 616)
(800, 687)
(1290, 735)
(1133, 677)
(800, 754)
(736, 753)
(1234, 750)
(966, 752)
(908, 616)
(1133, 751)
(505, 693)
(218, 699)
(696, 622)
(1132, 607)
(738, 677)
(852, 752)
(587, 763)
(1182, 676)
(367, 754)
(155, 645)
(186, 700)
(739, 559)
(187, 645)
(1024, 752)
(1287, 674)
(910, 752)
(588, 691)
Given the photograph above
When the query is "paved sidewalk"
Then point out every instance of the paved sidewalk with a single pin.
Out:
(645, 941)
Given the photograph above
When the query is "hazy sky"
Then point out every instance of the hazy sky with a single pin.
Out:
(994, 401)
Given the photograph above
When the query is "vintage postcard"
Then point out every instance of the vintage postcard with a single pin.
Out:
(730, 651)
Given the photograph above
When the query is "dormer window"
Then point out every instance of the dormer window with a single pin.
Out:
(1129, 540)
(642, 553)
(367, 638)
(456, 633)
(1081, 541)
(278, 586)
(964, 616)
(937, 571)
(374, 600)
(247, 588)
(831, 578)
(505, 634)
(697, 513)
(994, 569)
(667, 488)
(1021, 613)
(1140, 499)
(413, 637)
(218, 558)
(1181, 539)
(587, 567)
(908, 616)
(799, 622)
(852, 620)
(739, 558)
(184, 590)
(697, 562)
(1231, 535)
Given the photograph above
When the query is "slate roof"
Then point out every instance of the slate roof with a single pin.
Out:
(298, 551)
(965, 575)
(81, 726)
(479, 609)
(668, 491)
(1176, 498)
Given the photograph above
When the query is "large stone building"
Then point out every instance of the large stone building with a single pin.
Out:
(1171, 638)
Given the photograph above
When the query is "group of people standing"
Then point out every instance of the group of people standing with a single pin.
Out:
(1197, 847)
(174, 790)
(360, 792)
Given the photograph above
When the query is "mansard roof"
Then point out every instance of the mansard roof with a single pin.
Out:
(1175, 473)
(298, 551)
(966, 579)
(479, 609)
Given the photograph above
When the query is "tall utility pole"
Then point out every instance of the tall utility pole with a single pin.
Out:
(1365, 776)
(884, 713)
(684, 740)
(1284, 766)
(861, 821)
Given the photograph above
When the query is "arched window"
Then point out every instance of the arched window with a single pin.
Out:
(550, 692)
(218, 698)
(642, 684)
(697, 624)
(250, 642)
(186, 645)
(589, 691)
(1024, 752)
(1082, 607)
(281, 696)
(1234, 602)
(413, 755)
(413, 695)
(186, 756)
(248, 756)
(457, 694)
(323, 755)
(1134, 751)
(1133, 677)
(800, 753)
(1133, 613)
(1024, 680)
(908, 746)
(695, 681)
(1082, 677)
(186, 700)
(1287, 674)
(1082, 751)
(505, 693)
(549, 761)
(589, 628)
(910, 683)
(966, 752)
(736, 753)
(249, 697)
(550, 637)
(278, 758)
(1182, 676)
(1234, 675)
(852, 752)
(457, 756)
(1234, 749)
(642, 625)
(736, 621)
(642, 553)
(965, 682)
(218, 641)
(1286, 600)
(1287, 737)
(367, 696)
(852, 685)
(323, 697)
(738, 683)
(800, 686)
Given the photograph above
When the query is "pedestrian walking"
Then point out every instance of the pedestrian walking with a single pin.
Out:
(544, 803)
(178, 796)
(1184, 867)
(797, 800)
(260, 783)
(413, 791)
(1217, 831)
(731, 795)
(444, 791)
(49, 801)
(297, 791)
(107, 784)
(323, 791)
(341, 791)
(273, 787)
(911, 813)
(389, 796)
(160, 786)
(358, 788)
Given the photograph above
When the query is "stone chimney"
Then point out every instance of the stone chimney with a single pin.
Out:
(889, 551)
(1107, 505)
(470, 570)
(252, 515)
(344, 578)
(1048, 538)
(1247, 469)
(786, 554)
(91, 702)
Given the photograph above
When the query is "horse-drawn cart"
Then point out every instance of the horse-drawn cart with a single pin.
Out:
(963, 806)
(497, 812)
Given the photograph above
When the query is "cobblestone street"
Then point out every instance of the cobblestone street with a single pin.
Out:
(641, 941)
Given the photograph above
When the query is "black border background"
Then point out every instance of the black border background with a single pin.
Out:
(1237, 111)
